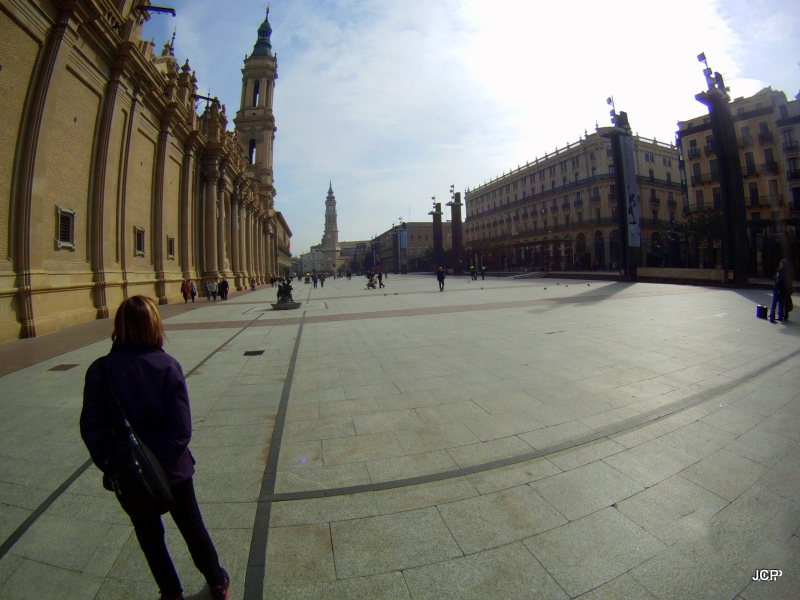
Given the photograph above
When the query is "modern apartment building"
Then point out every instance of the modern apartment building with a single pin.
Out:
(768, 128)
(560, 211)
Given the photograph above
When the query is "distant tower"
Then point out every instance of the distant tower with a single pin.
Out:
(330, 239)
(255, 123)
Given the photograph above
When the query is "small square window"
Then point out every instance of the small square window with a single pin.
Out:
(138, 241)
(170, 248)
(65, 228)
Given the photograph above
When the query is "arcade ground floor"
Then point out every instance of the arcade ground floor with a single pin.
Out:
(533, 438)
(599, 249)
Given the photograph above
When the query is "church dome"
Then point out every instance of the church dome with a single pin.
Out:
(263, 46)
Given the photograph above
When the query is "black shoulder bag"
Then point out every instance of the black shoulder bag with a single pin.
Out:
(136, 476)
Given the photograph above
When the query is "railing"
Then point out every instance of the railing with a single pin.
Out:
(694, 152)
(790, 145)
(565, 206)
(764, 200)
(551, 229)
(792, 174)
(655, 181)
(770, 167)
(577, 203)
(655, 201)
(704, 178)
(764, 137)
(710, 149)
(612, 195)
(553, 208)
(595, 198)
(747, 140)
(750, 170)
(672, 204)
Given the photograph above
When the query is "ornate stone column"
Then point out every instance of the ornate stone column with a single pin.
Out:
(221, 225)
(25, 232)
(237, 276)
(248, 241)
(156, 239)
(210, 241)
(242, 241)
(184, 211)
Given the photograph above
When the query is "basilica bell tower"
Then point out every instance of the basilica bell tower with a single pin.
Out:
(255, 123)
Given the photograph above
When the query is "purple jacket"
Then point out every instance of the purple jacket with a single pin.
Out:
(152, 390)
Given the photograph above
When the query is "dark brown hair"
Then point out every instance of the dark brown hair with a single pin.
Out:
(138, 323)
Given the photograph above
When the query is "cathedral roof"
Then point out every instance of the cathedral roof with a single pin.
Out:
(330, 188)
(263, 46)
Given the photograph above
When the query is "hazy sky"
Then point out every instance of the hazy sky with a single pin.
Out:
(394, 101)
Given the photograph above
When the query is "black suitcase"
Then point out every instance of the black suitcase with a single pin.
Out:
(761, 311)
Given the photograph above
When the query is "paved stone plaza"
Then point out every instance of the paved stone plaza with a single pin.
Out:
(503, 439)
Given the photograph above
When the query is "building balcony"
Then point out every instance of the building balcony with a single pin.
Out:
(565, 206)
(694, 152)
(794, 206)
(791, 146)
(793, 174)
(764, 200)
(655, 201)
(710, 149)
(578, 203)
(770, 167)
(673, 204)
(516, 217)
(704, 178)
(750, 170)
(764, 137)
(612, 195)
(595, 198)
(746, 140)
(553, 208)
(524, 215)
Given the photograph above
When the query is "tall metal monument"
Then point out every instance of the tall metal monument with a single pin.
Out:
(628, 200)
(438, 250)
(457, 227)
(734, 217)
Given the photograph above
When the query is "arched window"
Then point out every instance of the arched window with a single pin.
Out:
(252, 152)
(256, 90)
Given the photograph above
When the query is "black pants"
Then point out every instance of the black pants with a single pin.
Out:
(441, 285)
(186, 514)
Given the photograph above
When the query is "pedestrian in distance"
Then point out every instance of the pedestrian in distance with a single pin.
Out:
(150, 389)
(781, 293)
(440, 276)
(314, 279)
(186, 290)
(483, 273)
(192, 290)
(321, 280)
(214, 289)
(380, 280)
(208, 291)
(224, 286)
(472, 273)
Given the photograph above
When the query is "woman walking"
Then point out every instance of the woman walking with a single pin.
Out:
(151, 389)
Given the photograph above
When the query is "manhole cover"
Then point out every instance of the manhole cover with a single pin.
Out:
(63, 367)
(254, 353)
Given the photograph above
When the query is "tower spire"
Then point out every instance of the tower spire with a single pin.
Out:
(263, 45)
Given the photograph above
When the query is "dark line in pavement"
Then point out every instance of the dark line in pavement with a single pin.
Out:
(25, 525)
(650, 416)
(257, 559)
